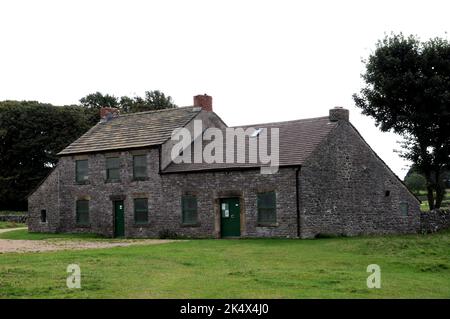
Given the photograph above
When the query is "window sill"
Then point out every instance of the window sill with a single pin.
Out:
(260, 224)
(142, 224)
(190, 224)
(140, 179)
(110, 181)
(83, 225)
(82, 183)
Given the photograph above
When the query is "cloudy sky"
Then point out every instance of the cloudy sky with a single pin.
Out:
(261, 60)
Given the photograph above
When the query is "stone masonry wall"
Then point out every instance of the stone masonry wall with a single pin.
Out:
(434, 220)
(13, 218)
(347, 190)
(45, 198)
(163, 192)
(210, 186)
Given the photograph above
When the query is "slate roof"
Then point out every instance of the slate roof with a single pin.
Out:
(132, 130)
(297, 140)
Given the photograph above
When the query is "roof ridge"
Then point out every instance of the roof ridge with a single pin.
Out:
(156, 111)
(285, 122)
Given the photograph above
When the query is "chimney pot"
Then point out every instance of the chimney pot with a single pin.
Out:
(339, 114)
(204, 101)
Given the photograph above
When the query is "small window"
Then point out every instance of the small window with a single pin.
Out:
(112, 169)
(82, 174)
(82, 212)
(141, 210)
(387, 193)
(139, 166)
(189, 209)
(43, 216)
(267, 207)
(404, 209)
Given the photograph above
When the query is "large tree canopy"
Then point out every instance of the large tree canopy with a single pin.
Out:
(31, 134)
(407, 91)
(152, 100)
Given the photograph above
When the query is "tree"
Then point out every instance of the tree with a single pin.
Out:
(31, 134)
(97, 100)
(415, 182)
(152, 100)
(407, 91)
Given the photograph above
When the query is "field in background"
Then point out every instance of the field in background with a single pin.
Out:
(412, 266)
(4, 225)
(9, 224)
(424, 205)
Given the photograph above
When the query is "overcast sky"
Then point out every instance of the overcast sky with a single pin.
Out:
(261, 61)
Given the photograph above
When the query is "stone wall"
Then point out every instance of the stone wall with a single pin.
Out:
(211, 186)
(46, 197)
(347, 190)
(434, 220)
(163, 192)
(13, 218)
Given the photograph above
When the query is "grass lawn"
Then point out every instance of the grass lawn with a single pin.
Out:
(4, 225)
(413, 266)
(25, 235)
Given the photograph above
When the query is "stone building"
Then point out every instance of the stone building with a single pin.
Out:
(121, 179)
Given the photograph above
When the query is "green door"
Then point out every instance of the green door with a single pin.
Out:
(230, 211)
(119, 222)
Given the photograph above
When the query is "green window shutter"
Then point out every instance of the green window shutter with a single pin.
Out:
(112, 168)
(82, 212)
(267, 211)
(189, 209)
(82, 171)
(141, 210)
(139, 166)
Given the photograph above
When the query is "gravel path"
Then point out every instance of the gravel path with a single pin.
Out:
(22, 246)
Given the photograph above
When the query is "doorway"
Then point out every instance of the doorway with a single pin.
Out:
(230, 220)
(119, 219)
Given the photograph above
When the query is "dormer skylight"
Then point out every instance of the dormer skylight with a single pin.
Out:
(256, 132)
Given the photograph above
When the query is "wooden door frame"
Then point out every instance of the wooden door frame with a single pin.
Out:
(217, 212)
(113, 199)
(114, 217)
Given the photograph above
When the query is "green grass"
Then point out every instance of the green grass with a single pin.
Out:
(413, 266)
(4, 225)
(25, 235)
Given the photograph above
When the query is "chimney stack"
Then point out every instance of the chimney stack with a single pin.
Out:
(339, 114)
(108, 113)
(204, 101)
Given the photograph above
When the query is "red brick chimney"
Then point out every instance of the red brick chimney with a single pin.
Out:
(108, 113)
(204, 101)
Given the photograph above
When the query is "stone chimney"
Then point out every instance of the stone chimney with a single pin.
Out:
(338, 113)
(204, 101)
(108, 113)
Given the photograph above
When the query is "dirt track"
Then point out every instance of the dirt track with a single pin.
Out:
(22, 246)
